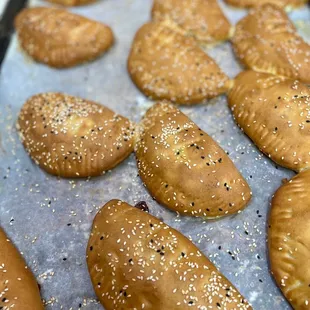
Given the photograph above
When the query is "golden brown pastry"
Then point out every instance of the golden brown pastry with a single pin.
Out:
(59, 38)
(167, 65)
(202, 19)
(138, 262)
(18, 287)
(185, 169)
(289, 240)
(72, 137)
(267, 41)
(71, 2)
(274, 112)
(254, 3)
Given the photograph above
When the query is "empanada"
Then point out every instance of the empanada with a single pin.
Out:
(274, 112)
(255, 3)
(185, 169)
(72, 137)
(137, 262)
(18, 287)
(167, 65)
(59, 38)
(289, 240)
(202, 19)
(71, 2)
(267, 41)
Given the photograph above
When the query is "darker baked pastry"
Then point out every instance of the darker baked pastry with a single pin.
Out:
(138, 262)
(18, 286)
(185, 169)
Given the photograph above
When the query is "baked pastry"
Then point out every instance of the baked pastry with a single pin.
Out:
(267, 41)
(202, 19)
(167, 65)
(138, 262)
(18, 287)
(254, 3)
(72, 137)
(71, 2)
(289, 239)
(185, 169)
(59, 38)
(274, 112)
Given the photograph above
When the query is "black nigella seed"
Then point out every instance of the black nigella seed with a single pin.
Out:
(91, 248)
(142, 206)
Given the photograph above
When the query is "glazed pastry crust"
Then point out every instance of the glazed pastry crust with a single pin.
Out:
(254, 3)
(138, 262)
(164, 64)
(71, 2)
(267, 41)
(185, 169)
(59, 38)
(274, 112)
(289, 241)
(202, 19)
(18, 286)
(72, 137)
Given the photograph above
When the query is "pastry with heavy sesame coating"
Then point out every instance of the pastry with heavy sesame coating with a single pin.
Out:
(18, 287)
(59, 38)
(71, 2)
(255, 3)
(138, 262)
(164, 64)
(184, 169)
(72, 137)
(289, 240)
(274, 112)
(267, 41)
(202, 19)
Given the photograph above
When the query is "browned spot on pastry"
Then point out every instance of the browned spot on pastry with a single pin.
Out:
(254, 3)
(289, 241)
(72, 137)
(267, 41)
(184, 168)
(167, 65)
(18, 286)
(202, 19)
(59, 38)
(138, 262)
(274, 112)
(71, 2)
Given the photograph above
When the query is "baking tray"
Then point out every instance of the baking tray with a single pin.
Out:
(49, 218)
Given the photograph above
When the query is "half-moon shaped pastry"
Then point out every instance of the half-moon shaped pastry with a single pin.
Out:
(185, 169)
(254, 3)
(18, 286)
(138, 262)
(71, 2)
(274, 112)
(167, 65)
(72, 137)
(289, 240)
(267, 41)
(202, 19)
(59, 38)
